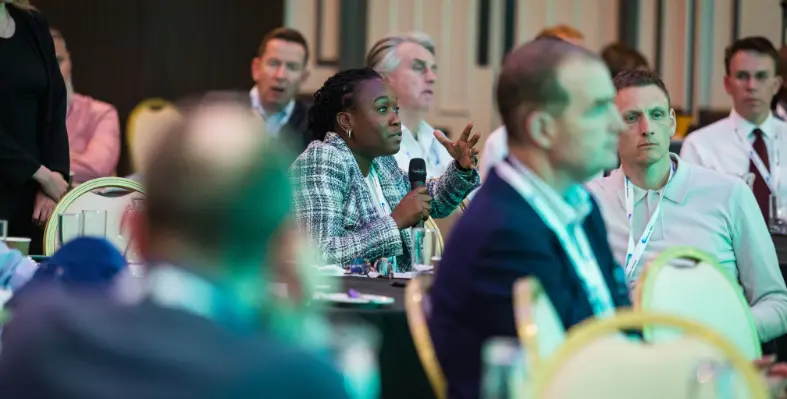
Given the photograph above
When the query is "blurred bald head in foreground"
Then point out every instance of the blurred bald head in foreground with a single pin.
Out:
(217, 187)
(218, 198)
(557, 102)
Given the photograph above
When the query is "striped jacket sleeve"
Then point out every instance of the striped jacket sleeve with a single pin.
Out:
(322, 181)
(451, 189)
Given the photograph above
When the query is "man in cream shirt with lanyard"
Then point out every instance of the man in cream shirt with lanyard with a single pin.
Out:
(749, 142)
(656, 201)
(408, 62)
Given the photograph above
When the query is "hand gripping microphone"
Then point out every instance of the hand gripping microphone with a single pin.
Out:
(417, 175)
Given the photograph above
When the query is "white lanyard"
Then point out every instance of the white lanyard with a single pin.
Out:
(577, 249)
(382, 204)
(636, 250)
(384, 207)
(771, 179)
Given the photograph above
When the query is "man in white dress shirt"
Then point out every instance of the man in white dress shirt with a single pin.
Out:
(672, 202)
(408, 62)
(751, 139)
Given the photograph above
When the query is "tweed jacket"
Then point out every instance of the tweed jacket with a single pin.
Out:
(334, 206)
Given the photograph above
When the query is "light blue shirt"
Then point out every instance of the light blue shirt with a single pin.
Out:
(15, 269)
(274, 122)
(569, 213)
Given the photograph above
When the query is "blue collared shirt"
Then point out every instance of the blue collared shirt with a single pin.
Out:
(274, 122)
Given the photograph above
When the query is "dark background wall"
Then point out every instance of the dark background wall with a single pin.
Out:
(126, 51)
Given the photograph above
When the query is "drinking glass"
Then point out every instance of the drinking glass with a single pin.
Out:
(3, 230)
(69, 227)
(777, 223)
(715, 377)
(503, 369)
(425, 243)
(354, 346)
(94, 223)
(384, 268)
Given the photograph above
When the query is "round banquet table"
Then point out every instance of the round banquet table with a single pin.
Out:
(400, 369)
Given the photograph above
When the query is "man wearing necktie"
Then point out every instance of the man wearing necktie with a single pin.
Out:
(749, 141)
(761, 190)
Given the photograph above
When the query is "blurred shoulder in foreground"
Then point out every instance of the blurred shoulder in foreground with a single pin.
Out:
(72, 345)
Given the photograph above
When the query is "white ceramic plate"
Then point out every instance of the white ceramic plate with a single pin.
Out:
(423, 268)
(331, 270)
(363, 299)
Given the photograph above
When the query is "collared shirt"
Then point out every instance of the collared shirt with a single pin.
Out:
(570, 212)
(717, 147)
(780, 112)
(495, 150)
(174, 287)
(427, 147)
(571, 209)
(93, 137)
(274, 122)
(713, 212)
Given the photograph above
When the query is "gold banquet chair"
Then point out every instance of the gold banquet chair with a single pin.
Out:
(687, 282)
(539, 329)
(110, 194)
(431, 224)
(538, 325)
(598, 362)
(415, 300)
(146, 123)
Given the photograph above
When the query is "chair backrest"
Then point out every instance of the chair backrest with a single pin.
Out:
(683, 123)
(145, 125)
(538, 326)
(97, 194)
(598, 362)
(687, 282)
(431, 224)
(416, 300)
(447, 223)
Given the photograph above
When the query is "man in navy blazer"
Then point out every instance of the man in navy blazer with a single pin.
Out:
(532, 217)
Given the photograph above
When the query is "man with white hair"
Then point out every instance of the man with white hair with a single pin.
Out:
(408, 62)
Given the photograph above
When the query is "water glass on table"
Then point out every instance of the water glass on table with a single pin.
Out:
(3, 230)
(777, 215)
(503, 369)
(69, 227)
(714, 377)
(425, 248)
(94, 223)
(354, 346)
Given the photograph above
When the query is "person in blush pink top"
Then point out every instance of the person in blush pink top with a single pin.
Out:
(93, 126)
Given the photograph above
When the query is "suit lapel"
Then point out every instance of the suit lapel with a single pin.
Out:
(529, 214)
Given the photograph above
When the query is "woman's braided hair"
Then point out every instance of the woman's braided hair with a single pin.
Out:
(336, 94)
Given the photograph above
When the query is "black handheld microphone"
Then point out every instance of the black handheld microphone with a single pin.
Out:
(417, 175)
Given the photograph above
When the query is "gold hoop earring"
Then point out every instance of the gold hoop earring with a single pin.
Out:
(350, 133)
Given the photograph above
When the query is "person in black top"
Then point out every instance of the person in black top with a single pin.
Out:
(34, 155)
